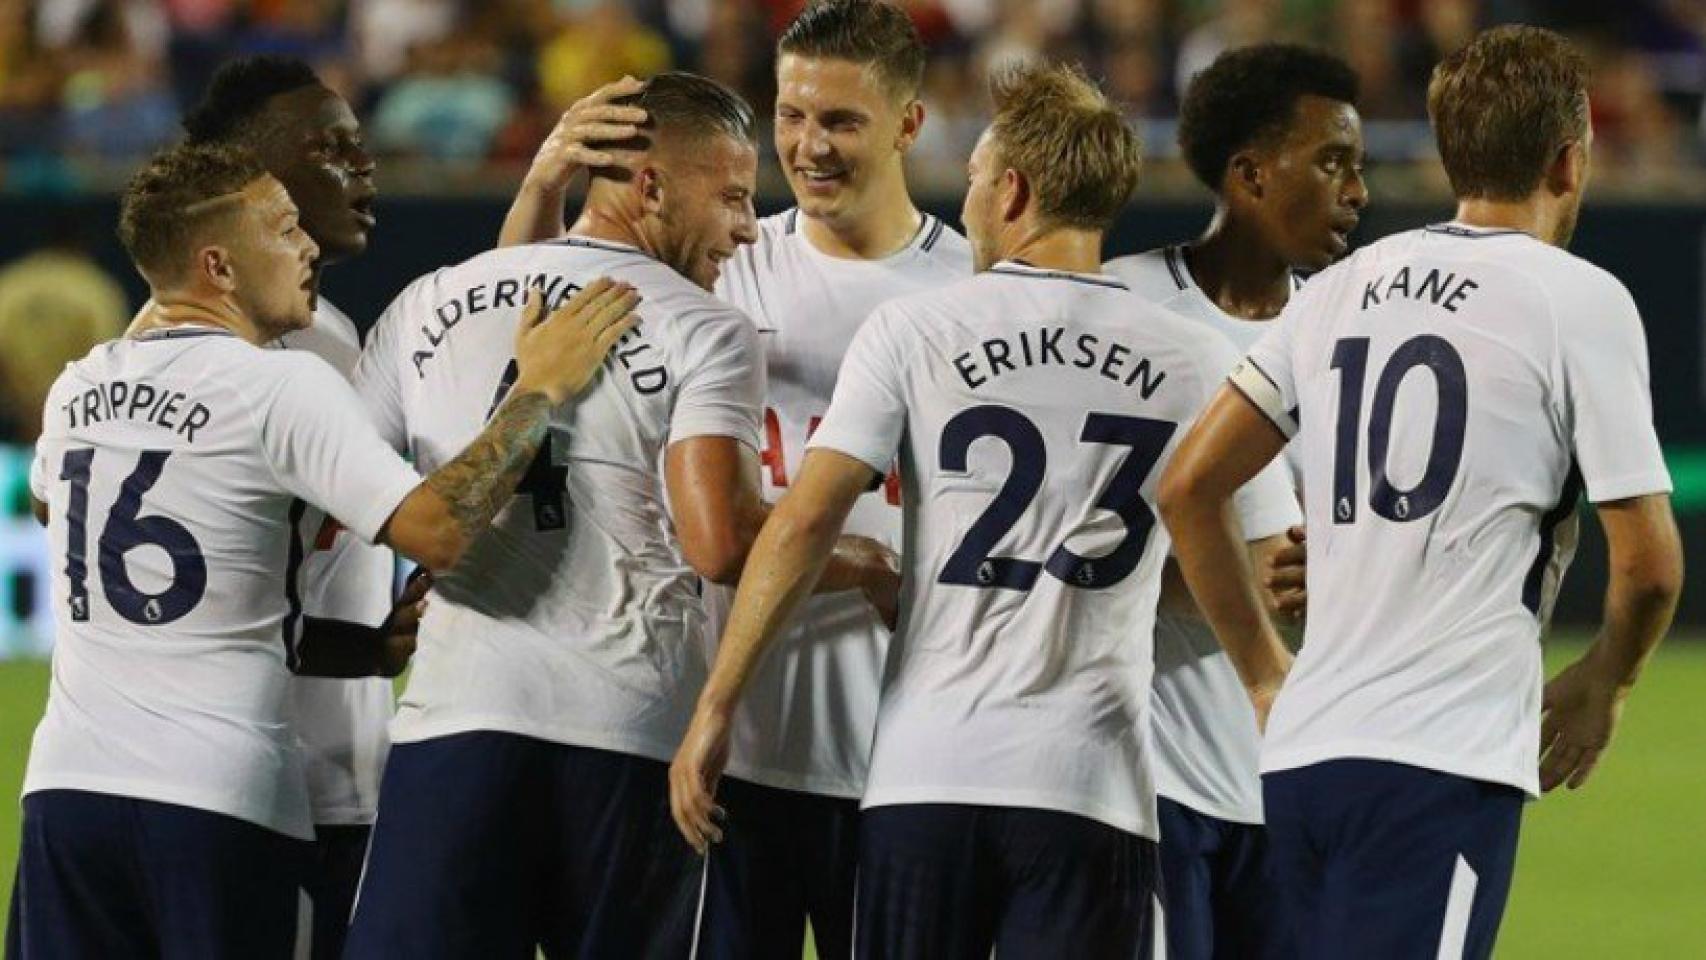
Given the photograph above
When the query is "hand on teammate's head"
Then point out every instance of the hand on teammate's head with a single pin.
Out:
(588, 135)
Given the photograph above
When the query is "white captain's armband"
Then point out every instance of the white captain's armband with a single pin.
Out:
(1259, 389)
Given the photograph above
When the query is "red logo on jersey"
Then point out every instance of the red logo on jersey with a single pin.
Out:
(772, 457)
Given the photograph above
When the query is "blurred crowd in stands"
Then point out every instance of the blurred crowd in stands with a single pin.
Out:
(473, 83)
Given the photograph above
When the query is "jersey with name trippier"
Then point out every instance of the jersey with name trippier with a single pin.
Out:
(1207, 747)
(181, 469)
(575, 617)
(805, 720)
(1033, 412)
(342, 723)
(1456, 389)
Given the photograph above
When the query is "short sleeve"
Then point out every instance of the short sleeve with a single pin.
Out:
(722, 387)
(378, 372)
(1267, 375)
(324, 449)
(38, 472)
(1607, 403)
(867, 414)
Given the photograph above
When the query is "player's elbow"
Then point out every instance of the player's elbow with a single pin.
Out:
(1652, 578)
(719, 561)
(1181, 490)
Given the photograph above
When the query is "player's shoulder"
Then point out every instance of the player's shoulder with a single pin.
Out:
(1156, 275)
(944, 247)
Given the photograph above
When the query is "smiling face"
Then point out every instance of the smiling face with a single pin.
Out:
(271, 260)
(314, 147)
(703, 205)
(840, 133)
(1313, 191)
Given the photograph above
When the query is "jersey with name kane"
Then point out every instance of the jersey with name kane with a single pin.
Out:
(805, 721)
(175, 465)
(1457, 389)
(574, 618)
(1033, 412)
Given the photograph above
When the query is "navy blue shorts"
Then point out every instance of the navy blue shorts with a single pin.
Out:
(785, 857)
(1216, 894)
(491, 844)
(103, 876)
(332, 878)
(952, 882)
(1381, 859)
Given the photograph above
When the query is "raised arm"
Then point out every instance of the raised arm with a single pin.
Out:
(1229, 443)
(537, 211)
(790, 555)
(1583, 702)
(556, 357)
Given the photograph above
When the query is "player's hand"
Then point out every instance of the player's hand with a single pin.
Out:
(403, 624)
(558, 355)
(693, 777)
(1285, 578)
(592, 120)
(882, 582)
(1579, 709)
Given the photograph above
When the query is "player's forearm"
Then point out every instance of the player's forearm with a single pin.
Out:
(783, 569)
(1641, 596)
(338, 648)
(536, 214)
(1215, 562)
(457, 502)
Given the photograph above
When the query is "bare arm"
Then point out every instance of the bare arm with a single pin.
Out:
(557, 357)
(1229, 443)
(1265, 555)
(791, 554)
(537, 211)
(1582, 704)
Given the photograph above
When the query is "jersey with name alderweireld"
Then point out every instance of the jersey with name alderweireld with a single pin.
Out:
(342, 723)
(1457, 388)
(1207, 747)
(178, 467)
(1033, 412)
(805, 720)
(574, 618)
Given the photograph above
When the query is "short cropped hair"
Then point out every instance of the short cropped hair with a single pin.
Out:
(165, 209)
(686, 105)
(871, 33)
(1056, 128)
(1503, 106)
(1248, 96)
(230, 109)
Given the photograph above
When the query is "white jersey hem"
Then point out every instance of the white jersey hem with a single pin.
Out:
(1200, 804)
(1030, 800)
(1278, 761)
(132, 790)
(568, 737)
(800, 783)
(346, 817)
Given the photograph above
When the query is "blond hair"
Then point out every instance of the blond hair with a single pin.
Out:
(1056, 128)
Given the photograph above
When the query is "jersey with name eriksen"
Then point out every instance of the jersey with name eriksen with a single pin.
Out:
(175, 466)
(1033, 412)
(1457, 389)
(805, 721)
(342, 723)
(574, 618)
(1207, 747)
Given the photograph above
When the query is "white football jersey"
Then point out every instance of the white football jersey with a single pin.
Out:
(175, 466)
(1455, 388)
(342, 723)
(574, 618)
(806, 717)
(1207, 747)
(1033, 412)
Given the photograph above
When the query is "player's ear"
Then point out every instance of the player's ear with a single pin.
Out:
(1245, 175)
(1568, 172)
(214, 266)
(911, 122)
(648, 183)
(1014, 195)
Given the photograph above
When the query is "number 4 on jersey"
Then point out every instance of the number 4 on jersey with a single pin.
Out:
(544, 482)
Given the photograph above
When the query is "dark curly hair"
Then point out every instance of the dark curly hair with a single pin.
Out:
(1249, 95)
(239, 92)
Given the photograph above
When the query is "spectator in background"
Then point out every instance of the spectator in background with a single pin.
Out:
(55, 304)
(597, 42)
(384, 31)
(115, 96)
(1239, 24)
(449, 106)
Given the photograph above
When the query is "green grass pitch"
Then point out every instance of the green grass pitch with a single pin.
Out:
(1617, 870)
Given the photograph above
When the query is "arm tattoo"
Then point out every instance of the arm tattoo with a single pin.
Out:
(483, 477)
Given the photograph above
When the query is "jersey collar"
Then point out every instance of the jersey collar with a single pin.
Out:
(181, 332)
(1019, 268)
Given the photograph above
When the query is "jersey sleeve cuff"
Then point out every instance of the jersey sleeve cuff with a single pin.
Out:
(1260, 390)
(1625, 487)
(368, 525)
(878, 462)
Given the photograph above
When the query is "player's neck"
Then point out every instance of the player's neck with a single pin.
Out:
(1238, 271)
(1059, 248)
(884, 229)
(1532, 216)
(597, 224)
(178, 309)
